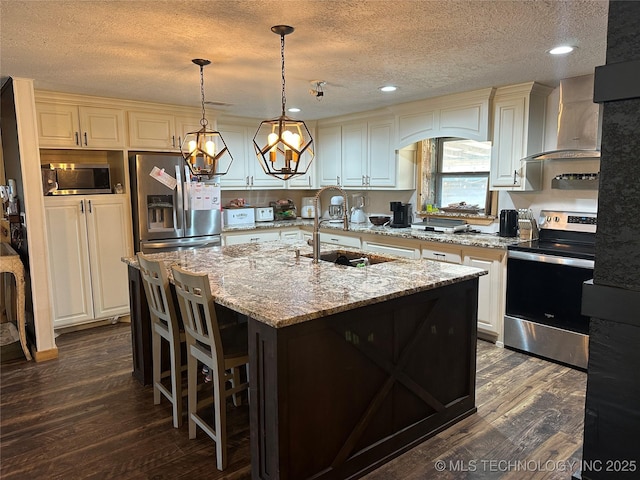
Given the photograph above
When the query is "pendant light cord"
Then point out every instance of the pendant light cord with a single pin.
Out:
(284, 98)
(204, 122)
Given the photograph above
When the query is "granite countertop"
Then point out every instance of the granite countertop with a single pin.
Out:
(485, 240)
(267, 282)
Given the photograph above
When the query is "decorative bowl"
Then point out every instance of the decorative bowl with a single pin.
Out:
(379, 220)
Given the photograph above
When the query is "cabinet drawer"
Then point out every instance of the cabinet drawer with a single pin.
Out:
(442, 255)
(406, 252)
(254, 237)
(341, 240)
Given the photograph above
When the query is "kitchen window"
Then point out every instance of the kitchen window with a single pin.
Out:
(461, 172)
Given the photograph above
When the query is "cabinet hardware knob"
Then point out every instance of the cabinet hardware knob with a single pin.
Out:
(85, 139)
(77, 139)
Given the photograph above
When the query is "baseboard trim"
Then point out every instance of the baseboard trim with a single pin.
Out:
(45, 355)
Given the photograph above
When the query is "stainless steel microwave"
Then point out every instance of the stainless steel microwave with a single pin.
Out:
(76, 178)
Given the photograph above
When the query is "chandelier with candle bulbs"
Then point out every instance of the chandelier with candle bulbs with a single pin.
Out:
(283, 144)
(205, 151)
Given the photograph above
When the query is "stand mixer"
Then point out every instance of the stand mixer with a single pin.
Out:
(336, 209)
(358, 202)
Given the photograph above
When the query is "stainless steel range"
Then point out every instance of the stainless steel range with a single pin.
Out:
(544, 288)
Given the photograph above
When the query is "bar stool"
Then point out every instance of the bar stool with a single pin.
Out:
(165, 326)
(223, 351)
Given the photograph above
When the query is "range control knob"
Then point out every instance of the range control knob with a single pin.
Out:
(556, 219)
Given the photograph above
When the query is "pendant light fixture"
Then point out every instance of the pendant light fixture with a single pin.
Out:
(283, 144)
(205, 151)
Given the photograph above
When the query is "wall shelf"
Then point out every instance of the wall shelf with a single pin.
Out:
(576, 181)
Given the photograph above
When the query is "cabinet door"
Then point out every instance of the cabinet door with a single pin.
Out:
(382, 158)
(58, 125)
(491, 295)
(508, 137)
(69, 261)
(236, 139)
(152, 130)
(186, 125)
(329, 156)
(354, 155)
(109, 240)
(101, 127)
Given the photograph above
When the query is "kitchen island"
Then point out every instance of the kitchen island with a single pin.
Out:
(349, 366)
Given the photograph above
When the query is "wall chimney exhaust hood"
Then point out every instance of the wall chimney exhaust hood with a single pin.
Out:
(578, 122)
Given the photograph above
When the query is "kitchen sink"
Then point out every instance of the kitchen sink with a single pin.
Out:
(352, 259)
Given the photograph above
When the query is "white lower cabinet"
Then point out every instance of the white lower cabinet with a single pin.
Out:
(87, 237)
(491, 289)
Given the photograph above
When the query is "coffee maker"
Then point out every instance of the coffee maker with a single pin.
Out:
(401, 214)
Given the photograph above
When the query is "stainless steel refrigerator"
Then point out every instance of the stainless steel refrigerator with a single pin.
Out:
(171, 210)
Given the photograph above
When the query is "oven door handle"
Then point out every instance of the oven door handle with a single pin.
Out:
(538, 257)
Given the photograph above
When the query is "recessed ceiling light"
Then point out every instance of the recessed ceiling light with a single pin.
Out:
(561, 50)
(388, 88)
(293, 110)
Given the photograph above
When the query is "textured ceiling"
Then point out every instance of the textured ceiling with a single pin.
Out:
(142, 50)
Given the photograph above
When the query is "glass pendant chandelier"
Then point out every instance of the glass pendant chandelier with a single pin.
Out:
(283, 144)
(205, 151)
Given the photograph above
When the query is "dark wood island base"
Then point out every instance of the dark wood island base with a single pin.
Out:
(338, 396)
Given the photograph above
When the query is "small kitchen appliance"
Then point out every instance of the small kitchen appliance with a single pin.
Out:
(336, 209)
(508, 223)
(234, 217)
(264, 214)
(308, 208)
(358, 203)
(76, 178)
(401, 214)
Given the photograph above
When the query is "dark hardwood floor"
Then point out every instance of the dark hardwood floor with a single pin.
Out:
(83, 416)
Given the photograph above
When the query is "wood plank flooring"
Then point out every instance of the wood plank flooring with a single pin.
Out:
(83, 416)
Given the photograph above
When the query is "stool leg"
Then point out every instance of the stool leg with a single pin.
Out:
(176, 382)
(192, 391)
(157, 367)
(220, 422)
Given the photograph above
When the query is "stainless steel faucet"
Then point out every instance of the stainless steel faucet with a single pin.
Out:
(316, 220)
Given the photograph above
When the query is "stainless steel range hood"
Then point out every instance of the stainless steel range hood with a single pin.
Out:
(578, 122)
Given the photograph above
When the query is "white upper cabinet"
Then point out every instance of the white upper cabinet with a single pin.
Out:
(245, 171)
(152, 130)
(62, 125)
(518, 131)
(354, 155)
(383, 165)
(329, 155)
(361, 155)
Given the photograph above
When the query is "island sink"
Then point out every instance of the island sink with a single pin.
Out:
(352, 259)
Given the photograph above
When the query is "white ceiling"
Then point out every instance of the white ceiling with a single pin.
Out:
(142, 50)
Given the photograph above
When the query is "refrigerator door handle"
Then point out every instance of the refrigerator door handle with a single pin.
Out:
(187, 198)
(178, 210)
